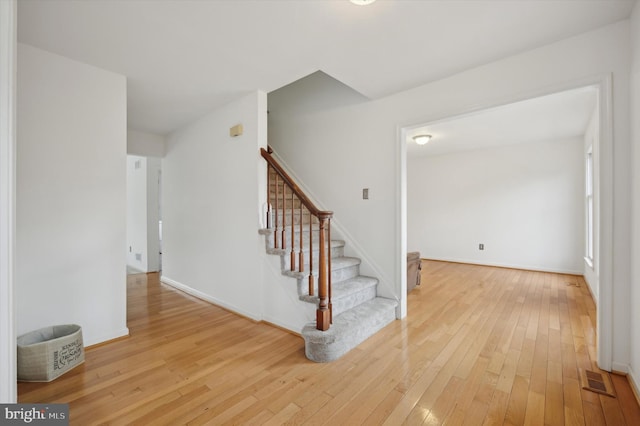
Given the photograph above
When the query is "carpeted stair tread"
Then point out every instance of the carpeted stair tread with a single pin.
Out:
(348, 330)
(346, 288)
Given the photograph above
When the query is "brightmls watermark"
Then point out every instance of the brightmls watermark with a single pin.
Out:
(34, 414)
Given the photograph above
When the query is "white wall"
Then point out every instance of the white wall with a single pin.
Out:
(213, 189)
(337, 151)
(71, 196)
(145, 144)
(308, 116)
(635, 252)
(8, 388)
(524, 202)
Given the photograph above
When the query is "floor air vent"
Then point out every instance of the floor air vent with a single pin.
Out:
(596, 382)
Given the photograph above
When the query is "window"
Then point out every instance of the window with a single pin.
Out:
(589, 206)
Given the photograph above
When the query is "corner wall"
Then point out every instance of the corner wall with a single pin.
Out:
(213, 190)
(71, 196)
(523, 202)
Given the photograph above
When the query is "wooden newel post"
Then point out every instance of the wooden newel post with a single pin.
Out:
(323, 314)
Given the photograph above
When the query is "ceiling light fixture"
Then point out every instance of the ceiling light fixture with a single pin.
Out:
(422, 139)
(362, 2)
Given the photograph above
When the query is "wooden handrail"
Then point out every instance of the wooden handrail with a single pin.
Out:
(292, 185)
(324, 315)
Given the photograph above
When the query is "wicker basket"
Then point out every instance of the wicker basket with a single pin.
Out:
(49, 352)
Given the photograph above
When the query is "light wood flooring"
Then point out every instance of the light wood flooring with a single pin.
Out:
(481, 345)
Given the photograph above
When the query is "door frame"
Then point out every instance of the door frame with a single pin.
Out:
(603, 85)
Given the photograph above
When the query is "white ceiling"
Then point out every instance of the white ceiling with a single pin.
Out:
(555, 117)
(184, 58)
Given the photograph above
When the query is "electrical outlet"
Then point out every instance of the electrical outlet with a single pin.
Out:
(481, 246)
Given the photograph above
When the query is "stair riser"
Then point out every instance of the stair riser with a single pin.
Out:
(344, 304)
(345, 273)
(341, 304)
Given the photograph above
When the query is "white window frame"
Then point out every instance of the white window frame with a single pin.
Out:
(589, 207)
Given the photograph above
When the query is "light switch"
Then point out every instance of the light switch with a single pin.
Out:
(365, 193)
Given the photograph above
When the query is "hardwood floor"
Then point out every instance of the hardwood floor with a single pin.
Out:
(481, 345)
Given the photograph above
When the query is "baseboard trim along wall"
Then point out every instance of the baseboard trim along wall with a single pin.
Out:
(507, 265)
(207, 298)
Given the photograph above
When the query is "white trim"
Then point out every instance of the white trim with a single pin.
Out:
(632, 377)
(105, 338)
(401, 212)
(207, 298)
(589, 262)
(619, 367)
(8, 365)
(605, 240)
(281, 324)
(603, 83)
(507, 265)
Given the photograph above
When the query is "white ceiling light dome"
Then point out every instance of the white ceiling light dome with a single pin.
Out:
(422, 139)
(362, 2)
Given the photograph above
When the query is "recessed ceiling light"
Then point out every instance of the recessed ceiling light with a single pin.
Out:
(422, 139)
(362, 2)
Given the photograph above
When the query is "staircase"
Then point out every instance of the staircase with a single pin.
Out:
(349, 310)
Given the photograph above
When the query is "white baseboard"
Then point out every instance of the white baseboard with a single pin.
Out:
(506, 265)
(208, 298)
(276, 322)
(106, 337)
(633, 382)
(620, 368)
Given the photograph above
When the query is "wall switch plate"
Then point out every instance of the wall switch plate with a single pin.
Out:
(481, 246)
(365, 193)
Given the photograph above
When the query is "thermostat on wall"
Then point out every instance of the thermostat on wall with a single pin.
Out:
(235, 130)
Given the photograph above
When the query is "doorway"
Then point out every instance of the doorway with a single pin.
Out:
(144, 220)
(600, 279)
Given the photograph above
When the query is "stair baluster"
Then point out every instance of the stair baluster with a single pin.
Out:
(312, 290)
(269, 218)
(293, 244)
(284, 216)
(323, 313)
(275, 229)
(300, 253)
(329, 268)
